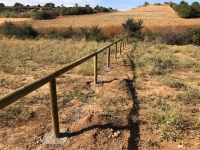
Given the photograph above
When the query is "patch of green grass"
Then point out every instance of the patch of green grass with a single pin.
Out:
(172, 82)
(76, 94)
(14, 111)
(169, 120)
(190, 96)
(185, 63)
(161, 47)
(110, 118)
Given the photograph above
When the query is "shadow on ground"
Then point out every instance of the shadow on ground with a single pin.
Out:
(133, 125)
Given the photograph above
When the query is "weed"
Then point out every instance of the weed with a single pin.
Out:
(161, 47)
(75, 94)
(110, 119)
(67, 99)
(14, 111)
(190, 96)
(169, 120)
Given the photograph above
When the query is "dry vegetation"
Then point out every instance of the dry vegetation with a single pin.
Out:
(154, 17)
(168, 93)
(150, 99)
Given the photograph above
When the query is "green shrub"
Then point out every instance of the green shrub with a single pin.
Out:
(96, 34)
(41, 15)
(44, 15)
(194, 36)
(151, 36)
(28, 31)
(9, 29)
(132, 27)
(63, 11)
(187, 11)
(67, 33)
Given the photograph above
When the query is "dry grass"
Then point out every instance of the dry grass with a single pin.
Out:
(39, 57)
(167, 83)
(154, 17)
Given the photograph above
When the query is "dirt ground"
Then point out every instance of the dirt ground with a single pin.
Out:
(109, 118)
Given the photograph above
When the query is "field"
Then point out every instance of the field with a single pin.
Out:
(152, 16)
(149, 99)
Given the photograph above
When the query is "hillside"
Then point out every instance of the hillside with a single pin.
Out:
(152, 15)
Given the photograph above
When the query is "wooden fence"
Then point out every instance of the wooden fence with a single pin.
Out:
(51, 79)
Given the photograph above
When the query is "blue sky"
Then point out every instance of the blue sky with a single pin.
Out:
(115, 4)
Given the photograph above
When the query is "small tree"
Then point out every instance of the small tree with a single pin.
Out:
(51, 5)
(2, 6)
(132, 27)
(146, 3)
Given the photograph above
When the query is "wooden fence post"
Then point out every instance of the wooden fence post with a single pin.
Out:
(54, 108)
(95, 68)
(123, 44)
(108, 58)
(120, 51)
(116, 51)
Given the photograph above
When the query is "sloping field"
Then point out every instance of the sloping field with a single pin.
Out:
(152, 16)
(2, 20)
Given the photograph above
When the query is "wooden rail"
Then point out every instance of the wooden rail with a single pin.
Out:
(51, 79)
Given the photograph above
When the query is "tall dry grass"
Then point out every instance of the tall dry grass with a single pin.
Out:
(39, 57)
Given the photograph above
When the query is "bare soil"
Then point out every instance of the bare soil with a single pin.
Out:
(110, 117)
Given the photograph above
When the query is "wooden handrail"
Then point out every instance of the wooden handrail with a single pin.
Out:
(25, 90)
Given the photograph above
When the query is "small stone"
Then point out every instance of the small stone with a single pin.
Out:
(180, 147)
(116, 134)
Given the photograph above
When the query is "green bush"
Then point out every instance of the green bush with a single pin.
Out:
(28, 31)
(132, 27)
(96, 34)
(9, 29)
(187, 11)
(194, 36)
(67, 33)
(45, 15)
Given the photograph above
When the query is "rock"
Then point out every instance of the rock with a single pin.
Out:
(116, 134)
(180, 147)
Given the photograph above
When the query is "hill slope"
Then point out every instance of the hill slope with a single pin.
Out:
(152, 15)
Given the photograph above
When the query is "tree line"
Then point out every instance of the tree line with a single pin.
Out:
(48, 9)
(187, 11)
(183, 8)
